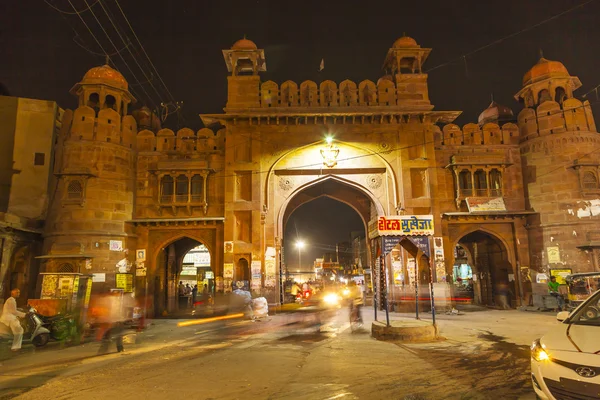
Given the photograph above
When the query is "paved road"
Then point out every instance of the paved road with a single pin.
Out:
(485, 355)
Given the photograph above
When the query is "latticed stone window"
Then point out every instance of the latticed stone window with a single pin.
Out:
(66, 268)
(75, 190)
(589, 181)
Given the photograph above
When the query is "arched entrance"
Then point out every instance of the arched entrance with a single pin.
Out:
(180, 265)
(482, 267)
(339, 259)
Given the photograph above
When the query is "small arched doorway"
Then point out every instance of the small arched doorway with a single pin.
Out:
(482, 267)
(180, 266)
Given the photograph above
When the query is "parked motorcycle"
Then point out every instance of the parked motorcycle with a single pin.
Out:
(34, 331)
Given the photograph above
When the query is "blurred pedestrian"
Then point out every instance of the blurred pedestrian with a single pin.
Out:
(112, 319)
(194, 294)
(10, 317)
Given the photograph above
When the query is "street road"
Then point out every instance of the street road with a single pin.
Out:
(485, 356)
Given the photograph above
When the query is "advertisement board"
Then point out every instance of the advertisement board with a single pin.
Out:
(405, 225)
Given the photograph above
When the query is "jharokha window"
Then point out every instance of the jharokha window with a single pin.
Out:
(181, 189)
(196, 188)
(589, 181)
(75, 191)
(481, 186)
(166, 189)
(495, 183)
(465, 183)
(478, 182)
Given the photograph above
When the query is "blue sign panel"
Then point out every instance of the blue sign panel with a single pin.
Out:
(422, 242)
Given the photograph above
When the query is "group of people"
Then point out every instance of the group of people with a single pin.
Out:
(187, 295)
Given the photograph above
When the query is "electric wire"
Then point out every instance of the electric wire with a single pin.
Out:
(68, 12)
(148, 80)
(98, 41)
(144, 50)
(120, 55)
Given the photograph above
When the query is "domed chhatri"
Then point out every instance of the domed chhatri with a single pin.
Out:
(545, 69)
(405, 41)
(107, 75)
(495, 113)
(244, 44)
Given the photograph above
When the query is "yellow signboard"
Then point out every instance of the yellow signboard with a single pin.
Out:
(561, 274)
(125, 282)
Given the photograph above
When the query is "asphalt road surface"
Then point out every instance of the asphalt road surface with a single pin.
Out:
(485, 356)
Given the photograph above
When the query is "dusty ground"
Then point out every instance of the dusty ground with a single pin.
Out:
(485, 356)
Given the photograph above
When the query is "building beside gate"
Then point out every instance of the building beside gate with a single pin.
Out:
(507, 197)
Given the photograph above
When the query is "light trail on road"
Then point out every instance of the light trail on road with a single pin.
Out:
(207, 320)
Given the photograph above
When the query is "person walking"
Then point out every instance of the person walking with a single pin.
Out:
(10, 317)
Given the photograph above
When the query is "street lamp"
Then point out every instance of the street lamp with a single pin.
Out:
(300, 245)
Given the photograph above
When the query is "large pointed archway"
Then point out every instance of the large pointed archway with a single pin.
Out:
(344, 194)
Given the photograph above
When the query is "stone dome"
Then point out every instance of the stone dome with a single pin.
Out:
(105, 74)
(244, 44)
(495, 113)
(405, 41)
(545, 69)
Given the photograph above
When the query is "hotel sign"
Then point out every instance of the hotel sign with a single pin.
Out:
(405, 225)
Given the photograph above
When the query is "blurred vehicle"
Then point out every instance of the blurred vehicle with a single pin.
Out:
(565, 363)
(580, 287)
(61, 326)
(33, 329)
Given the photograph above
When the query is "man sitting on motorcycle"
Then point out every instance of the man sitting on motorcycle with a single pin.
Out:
(10, 317)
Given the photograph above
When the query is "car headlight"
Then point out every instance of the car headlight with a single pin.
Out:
(538, 352)
(331, 299)
(346, 292)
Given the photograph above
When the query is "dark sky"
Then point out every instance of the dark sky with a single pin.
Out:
(184, 39)
(320, 224)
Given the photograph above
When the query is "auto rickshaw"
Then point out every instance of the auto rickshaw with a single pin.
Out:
(580, 286)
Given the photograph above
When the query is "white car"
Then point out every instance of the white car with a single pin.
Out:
(565, 363)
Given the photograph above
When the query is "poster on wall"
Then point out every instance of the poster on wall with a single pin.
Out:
(49, 285)
(227, 285)
(140, 255)
(125, 282)
(553, 255)
(140, 268)
(256, 267)
(65, 286)
(116, 245)
(228, 271)
(270, 267)
(397, 270)
(438, 257)
(219, 283)
(228, 247)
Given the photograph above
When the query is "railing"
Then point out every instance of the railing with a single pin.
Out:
(182, 199)
(495, 192)
(481, 192)
(466, 192)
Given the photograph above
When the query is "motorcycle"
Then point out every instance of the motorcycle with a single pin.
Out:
(34, 331)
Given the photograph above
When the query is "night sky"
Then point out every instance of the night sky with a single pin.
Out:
(39, 57)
